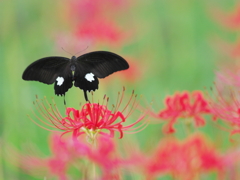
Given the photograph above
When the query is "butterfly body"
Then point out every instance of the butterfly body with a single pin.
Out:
(82, 71)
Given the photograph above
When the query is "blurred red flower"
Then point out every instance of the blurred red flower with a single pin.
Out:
(86, 10)
(231, 163)
(184, 105)
(98, 30)
(184, 160)
(56, 165)
(95, 21)
(103, 154)
(225, 104)
(67, 154)
(228, 19)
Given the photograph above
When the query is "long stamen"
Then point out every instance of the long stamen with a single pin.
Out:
(113, 107)
(131, 125)
(220, 96)
(119, 103)
(107, 100)
(40, 125)
(235, 100)
(51, 116)
(56, 109)
(41, 120)
(58, 120)
(118, 97)
(134, 105)
(39, 109)
(129, 101)
(103, 99)
(139, 130)
(105, 109)
(48, 115)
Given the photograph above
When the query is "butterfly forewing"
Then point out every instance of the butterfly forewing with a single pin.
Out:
(45, 70)
(102, 63)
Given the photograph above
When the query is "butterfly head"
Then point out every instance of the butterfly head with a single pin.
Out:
(73, 59)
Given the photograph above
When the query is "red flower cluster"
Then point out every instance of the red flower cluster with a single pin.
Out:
(92, 23)
(184, 105)
(225, 104)
(94, 20)
(183, 160)
(66, 154)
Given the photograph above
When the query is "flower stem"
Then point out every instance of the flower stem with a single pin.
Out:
(94, 145)
(186, 126)
(93, 170)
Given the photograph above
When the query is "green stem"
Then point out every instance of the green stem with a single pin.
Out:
(186, 124)
(94, 145)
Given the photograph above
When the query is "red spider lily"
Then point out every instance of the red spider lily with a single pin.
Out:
(55, 165)
(231, 163)
(98, 30)
(61, 158)
(86, 10)
(229, 20)
(94, 23)
(92, 118)
(184, 160)
(225, 104)
(66, 154)
(227, 78)
(104, 155)
(94, 20)
(184, 105)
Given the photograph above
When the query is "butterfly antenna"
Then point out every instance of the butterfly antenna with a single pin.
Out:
(82, 50)
(85, 95)
(66, 51)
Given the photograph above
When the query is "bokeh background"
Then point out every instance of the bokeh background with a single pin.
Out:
(170, 45)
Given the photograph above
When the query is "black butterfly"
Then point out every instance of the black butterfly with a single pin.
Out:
(84, 70)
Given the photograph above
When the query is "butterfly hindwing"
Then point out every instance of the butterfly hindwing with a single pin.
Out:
(45, 70)
(84, 79)
(84, 84)
(102, 63)
(63, 82)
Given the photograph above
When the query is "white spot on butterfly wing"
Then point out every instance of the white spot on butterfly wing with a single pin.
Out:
(89, 77)
(60, 81)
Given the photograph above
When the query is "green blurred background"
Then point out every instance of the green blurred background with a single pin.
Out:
(169, 42)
